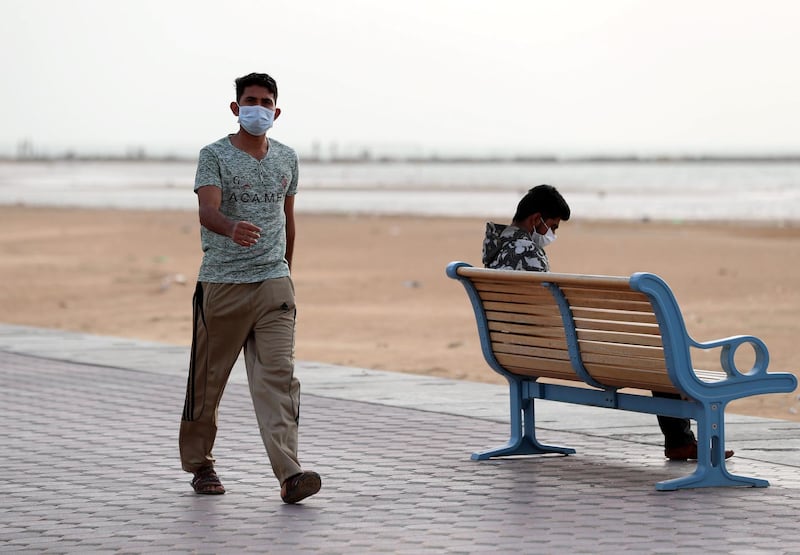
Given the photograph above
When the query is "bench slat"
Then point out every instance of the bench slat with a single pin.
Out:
(625, 364)
(513, 349)
(614, 337)
(625, 327)
(546, 342)
(512, 287)
(627, 316)
(514, 308)
(616, 377)
(543, 321)
(541, 332)
(518, 288)
(654, 381)
(590, 293)
(533, 316)
(537, 367)
(614, 304)
(624, 350)
(610, 282)
(514, 298)
(710, 375)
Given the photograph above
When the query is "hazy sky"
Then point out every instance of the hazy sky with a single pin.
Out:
(492, 76)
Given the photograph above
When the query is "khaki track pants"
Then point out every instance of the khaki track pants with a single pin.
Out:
(261, 318)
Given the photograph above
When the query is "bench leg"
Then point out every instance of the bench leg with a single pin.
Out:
(523, 432)
(705, 477)
(711, 469)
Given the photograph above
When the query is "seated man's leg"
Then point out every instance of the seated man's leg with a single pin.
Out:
(680, 443)
(677, 432)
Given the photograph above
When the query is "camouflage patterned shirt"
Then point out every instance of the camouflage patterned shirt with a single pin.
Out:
(508, 247)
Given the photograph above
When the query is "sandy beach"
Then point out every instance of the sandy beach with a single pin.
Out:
(372, 292)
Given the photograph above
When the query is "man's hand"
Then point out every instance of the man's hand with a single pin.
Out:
(245, 234)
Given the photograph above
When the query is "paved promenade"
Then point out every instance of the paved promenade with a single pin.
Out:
(90, 465)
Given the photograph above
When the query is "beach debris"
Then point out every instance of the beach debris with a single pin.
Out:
(412, 284)
(793, 410)
(169, 279)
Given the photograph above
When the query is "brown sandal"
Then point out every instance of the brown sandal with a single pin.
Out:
(206, 482)
(300, 486)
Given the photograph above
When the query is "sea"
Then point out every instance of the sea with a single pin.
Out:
(672, 190)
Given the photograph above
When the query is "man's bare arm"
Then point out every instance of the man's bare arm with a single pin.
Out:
(288, 210)
(209, 199)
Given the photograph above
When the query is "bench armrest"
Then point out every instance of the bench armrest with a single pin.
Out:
(729, 346)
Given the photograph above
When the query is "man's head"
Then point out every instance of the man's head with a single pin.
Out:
(258, 79)
(256, 103)
(541, 208)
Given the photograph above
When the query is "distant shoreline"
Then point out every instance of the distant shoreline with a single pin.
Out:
(437, 159)
(640, 189)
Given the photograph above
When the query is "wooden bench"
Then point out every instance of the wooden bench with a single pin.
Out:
(539, 329)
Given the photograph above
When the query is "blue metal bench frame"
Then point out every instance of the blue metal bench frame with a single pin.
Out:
(704, 402)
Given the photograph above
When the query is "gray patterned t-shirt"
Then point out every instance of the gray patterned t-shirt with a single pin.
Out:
(252, 190)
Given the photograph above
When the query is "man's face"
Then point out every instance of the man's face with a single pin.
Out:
(551, 223)
(256, 95)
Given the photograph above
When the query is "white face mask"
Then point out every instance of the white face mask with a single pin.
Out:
(256, 120)
(543, 240)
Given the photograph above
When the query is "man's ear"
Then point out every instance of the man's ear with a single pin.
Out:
(277, 113)
(235, 108)
(536, 219)
(530, 222)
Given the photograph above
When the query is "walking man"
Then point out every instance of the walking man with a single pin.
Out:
(245, 185)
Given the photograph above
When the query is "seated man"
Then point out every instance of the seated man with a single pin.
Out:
(520, 246)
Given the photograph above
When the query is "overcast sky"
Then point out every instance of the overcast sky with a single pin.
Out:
(482, 77)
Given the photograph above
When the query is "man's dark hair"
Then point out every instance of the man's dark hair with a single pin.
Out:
(544, 199)
(260, 79)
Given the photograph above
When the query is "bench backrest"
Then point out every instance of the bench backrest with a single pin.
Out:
(596, 329)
